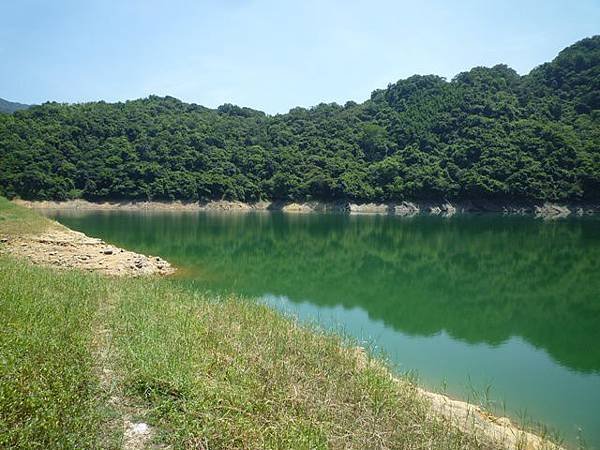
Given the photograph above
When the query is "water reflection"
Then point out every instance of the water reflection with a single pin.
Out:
(480, 279)
(524, 380)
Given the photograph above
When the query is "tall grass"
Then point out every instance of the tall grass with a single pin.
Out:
(230, 373)
(48, 390)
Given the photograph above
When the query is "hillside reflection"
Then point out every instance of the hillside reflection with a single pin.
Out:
(480, 279)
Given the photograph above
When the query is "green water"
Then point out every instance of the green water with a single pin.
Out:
(508, 305)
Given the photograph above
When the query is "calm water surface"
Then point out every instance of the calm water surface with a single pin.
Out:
(504, 305)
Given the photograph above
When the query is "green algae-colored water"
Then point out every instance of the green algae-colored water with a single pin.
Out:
(503, 309)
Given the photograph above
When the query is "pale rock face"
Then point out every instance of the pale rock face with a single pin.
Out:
(551, 211)
(368, 208)
(406, 209)
(297, 207)
(448, 209)
(403, 208)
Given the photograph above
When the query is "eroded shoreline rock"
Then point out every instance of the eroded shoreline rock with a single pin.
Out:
(64, 248)
(551, 211)
(404, 208)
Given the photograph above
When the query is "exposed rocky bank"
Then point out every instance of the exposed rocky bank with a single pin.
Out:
(64, 248)
(470, 418)
(446, 209)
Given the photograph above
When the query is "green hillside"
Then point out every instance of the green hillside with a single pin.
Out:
(488, 134)
(10, 107)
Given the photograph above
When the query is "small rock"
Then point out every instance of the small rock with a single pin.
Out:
(107, 251)
(140, 428)
(3, 240)
(406, 209)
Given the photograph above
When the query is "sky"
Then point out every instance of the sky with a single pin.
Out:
(270, 55)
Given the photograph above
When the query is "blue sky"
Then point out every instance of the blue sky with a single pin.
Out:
(268, 54)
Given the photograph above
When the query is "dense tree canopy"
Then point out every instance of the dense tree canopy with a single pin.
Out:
(486, 134)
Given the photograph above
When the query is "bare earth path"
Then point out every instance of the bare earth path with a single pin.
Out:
(127, 425)
(63, 248)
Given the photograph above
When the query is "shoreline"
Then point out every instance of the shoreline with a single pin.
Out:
(468, 417)
(471, 418)
(401, 209)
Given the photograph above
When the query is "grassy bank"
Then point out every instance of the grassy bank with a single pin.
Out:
(205, 373)
(48, 392)
(82, 354)
(225, 373)
(16, 220)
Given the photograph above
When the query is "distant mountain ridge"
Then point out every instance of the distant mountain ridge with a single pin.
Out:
(11, 107)
(489, 134)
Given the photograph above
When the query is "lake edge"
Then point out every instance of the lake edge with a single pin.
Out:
(543, 210)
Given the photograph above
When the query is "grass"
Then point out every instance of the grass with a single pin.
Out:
(17, 221)
(48, 391)
(230, 373)
(204, 372)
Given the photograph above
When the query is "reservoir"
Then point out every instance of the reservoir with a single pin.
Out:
(499, 310)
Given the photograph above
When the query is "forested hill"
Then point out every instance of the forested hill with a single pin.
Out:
(486, 134)
(9, 107)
